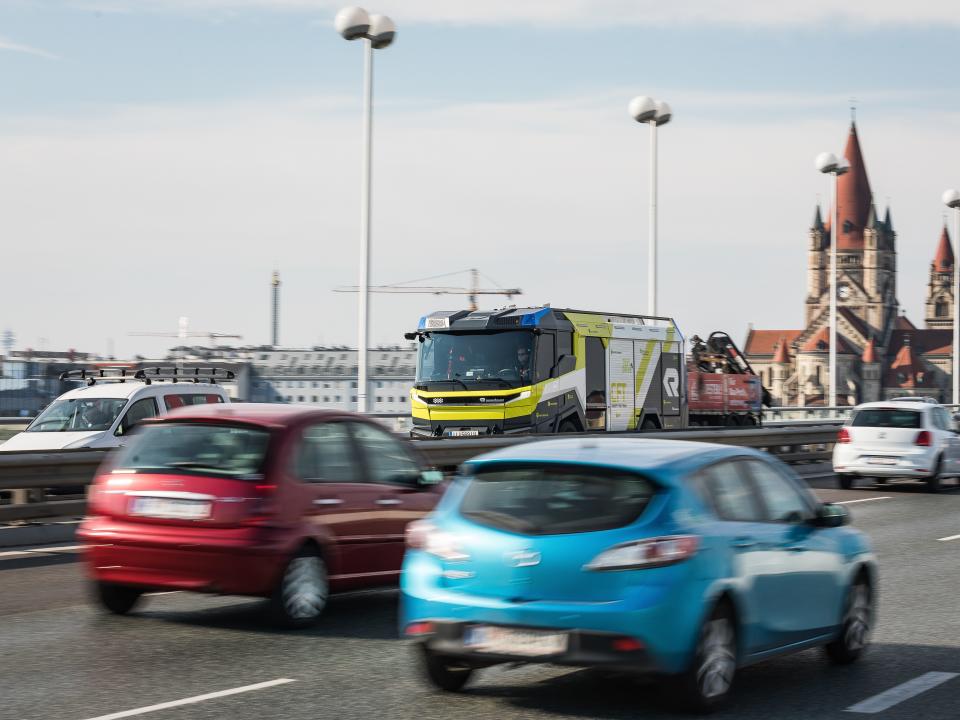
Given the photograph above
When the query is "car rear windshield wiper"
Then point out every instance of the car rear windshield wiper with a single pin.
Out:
(502, 519)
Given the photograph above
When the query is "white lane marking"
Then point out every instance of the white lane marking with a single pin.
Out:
(59, 548)
(904, 691)
(848, 502)
(15, 553)
(194, 699)
(949, 538)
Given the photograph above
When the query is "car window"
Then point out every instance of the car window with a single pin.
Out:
(326, 454)
(887, 418)
(783, 501)
(388, 461)
(941, 419)
(138, 412)
(730, 492)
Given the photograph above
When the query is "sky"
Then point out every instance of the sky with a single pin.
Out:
(160, 158)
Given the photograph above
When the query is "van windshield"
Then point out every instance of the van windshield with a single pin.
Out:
(78, 415)
(553, 499)
(887, 418)
(193, 448)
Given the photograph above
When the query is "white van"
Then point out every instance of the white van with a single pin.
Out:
(102, 413)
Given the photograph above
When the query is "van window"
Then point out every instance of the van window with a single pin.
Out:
(78, 415)
(138, 412)
(179, 400)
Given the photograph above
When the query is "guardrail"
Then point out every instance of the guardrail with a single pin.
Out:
(32, 474)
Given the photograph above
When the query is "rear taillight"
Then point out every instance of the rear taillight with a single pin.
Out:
(924, 439)
(261, 505)
(419, 628)
(843, 436)
(654, 552)
(423, 535)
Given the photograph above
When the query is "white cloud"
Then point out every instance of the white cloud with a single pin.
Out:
(858, 14)
(137, 216)
(18, 47)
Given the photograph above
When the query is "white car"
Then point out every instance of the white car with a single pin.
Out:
(902, 437)
(101, 414)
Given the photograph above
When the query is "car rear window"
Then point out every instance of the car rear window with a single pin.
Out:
(887, 418)
(551, 500)
(193, 448)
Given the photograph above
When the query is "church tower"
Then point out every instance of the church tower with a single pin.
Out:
(940, 288)
(866, 251)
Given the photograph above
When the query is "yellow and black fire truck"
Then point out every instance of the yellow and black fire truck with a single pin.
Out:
(546, 370)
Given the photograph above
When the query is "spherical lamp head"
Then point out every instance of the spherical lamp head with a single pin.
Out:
(843, 166)
(826, 162)
(951, 198)
(382, 31)
(352, 23)
(643, 109)
(664, 113)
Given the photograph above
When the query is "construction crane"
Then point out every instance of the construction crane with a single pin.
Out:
(183, 333)
(472, 292)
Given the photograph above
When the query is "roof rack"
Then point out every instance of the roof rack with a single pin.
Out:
(175, 374)
(106, 374)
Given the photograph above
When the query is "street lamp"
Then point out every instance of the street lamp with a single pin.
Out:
(644, 109)
(951, 198)
(377, 31)
(830, 164)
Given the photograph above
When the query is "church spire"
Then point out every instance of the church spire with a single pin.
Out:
(887, 220)
(817, 220)
(854, 193)
(943, 261)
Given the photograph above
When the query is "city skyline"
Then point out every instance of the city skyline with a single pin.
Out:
(194, 178)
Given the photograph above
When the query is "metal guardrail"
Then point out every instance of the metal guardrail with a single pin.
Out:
(32, 472)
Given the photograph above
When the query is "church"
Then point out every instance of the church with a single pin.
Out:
(880, 353)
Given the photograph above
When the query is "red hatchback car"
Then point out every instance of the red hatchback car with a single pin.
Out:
(275, 501)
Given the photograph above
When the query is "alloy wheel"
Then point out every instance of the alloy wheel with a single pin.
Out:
(718, 664)
(305, 588)
(857, 621)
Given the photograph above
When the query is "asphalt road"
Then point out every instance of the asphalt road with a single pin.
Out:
(61, 658)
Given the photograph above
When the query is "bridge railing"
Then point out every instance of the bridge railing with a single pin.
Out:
(41, 479)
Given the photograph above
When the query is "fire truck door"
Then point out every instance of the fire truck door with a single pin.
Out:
(621, 386)
(671, 383)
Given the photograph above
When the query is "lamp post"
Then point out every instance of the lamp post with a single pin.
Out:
(830, 164)
(377, 31)
(951, 198)
(644, 109)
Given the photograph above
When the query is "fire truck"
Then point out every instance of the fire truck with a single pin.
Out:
(549, 370)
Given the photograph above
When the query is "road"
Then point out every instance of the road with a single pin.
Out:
(62, 659)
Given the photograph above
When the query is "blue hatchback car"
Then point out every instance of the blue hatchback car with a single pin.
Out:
(677, 558)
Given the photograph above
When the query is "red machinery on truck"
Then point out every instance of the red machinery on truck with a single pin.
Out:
(722, 388)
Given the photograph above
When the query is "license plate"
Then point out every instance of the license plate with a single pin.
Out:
(882, 461)
(464, 433)
(170, 508)
(509, 641)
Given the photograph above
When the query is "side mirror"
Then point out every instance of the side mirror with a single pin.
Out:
(430, 477)
(830, 515)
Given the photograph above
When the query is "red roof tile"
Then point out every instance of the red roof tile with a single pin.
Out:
(782, 355)
(943, 262)
(902, 323)
(820, 342)
(869, 352)
(764, 342)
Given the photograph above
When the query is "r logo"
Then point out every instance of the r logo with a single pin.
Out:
(671, 382)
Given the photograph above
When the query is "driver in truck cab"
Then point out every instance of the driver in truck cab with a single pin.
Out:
(523, 364)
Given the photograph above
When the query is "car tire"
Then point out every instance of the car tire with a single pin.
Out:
(933, 482)
(880, 480)
(443, 672)
(301, 595)
(855, 628)
(568, 426)
(845, 482)
(118, 599)
(707, 683)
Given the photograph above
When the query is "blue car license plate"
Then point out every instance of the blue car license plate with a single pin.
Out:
(510, 641)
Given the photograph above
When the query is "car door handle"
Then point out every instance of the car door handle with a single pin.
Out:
(743, 543)
(389, 501)
(328, 501)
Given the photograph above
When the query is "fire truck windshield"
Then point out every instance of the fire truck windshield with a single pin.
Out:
(468, 360)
